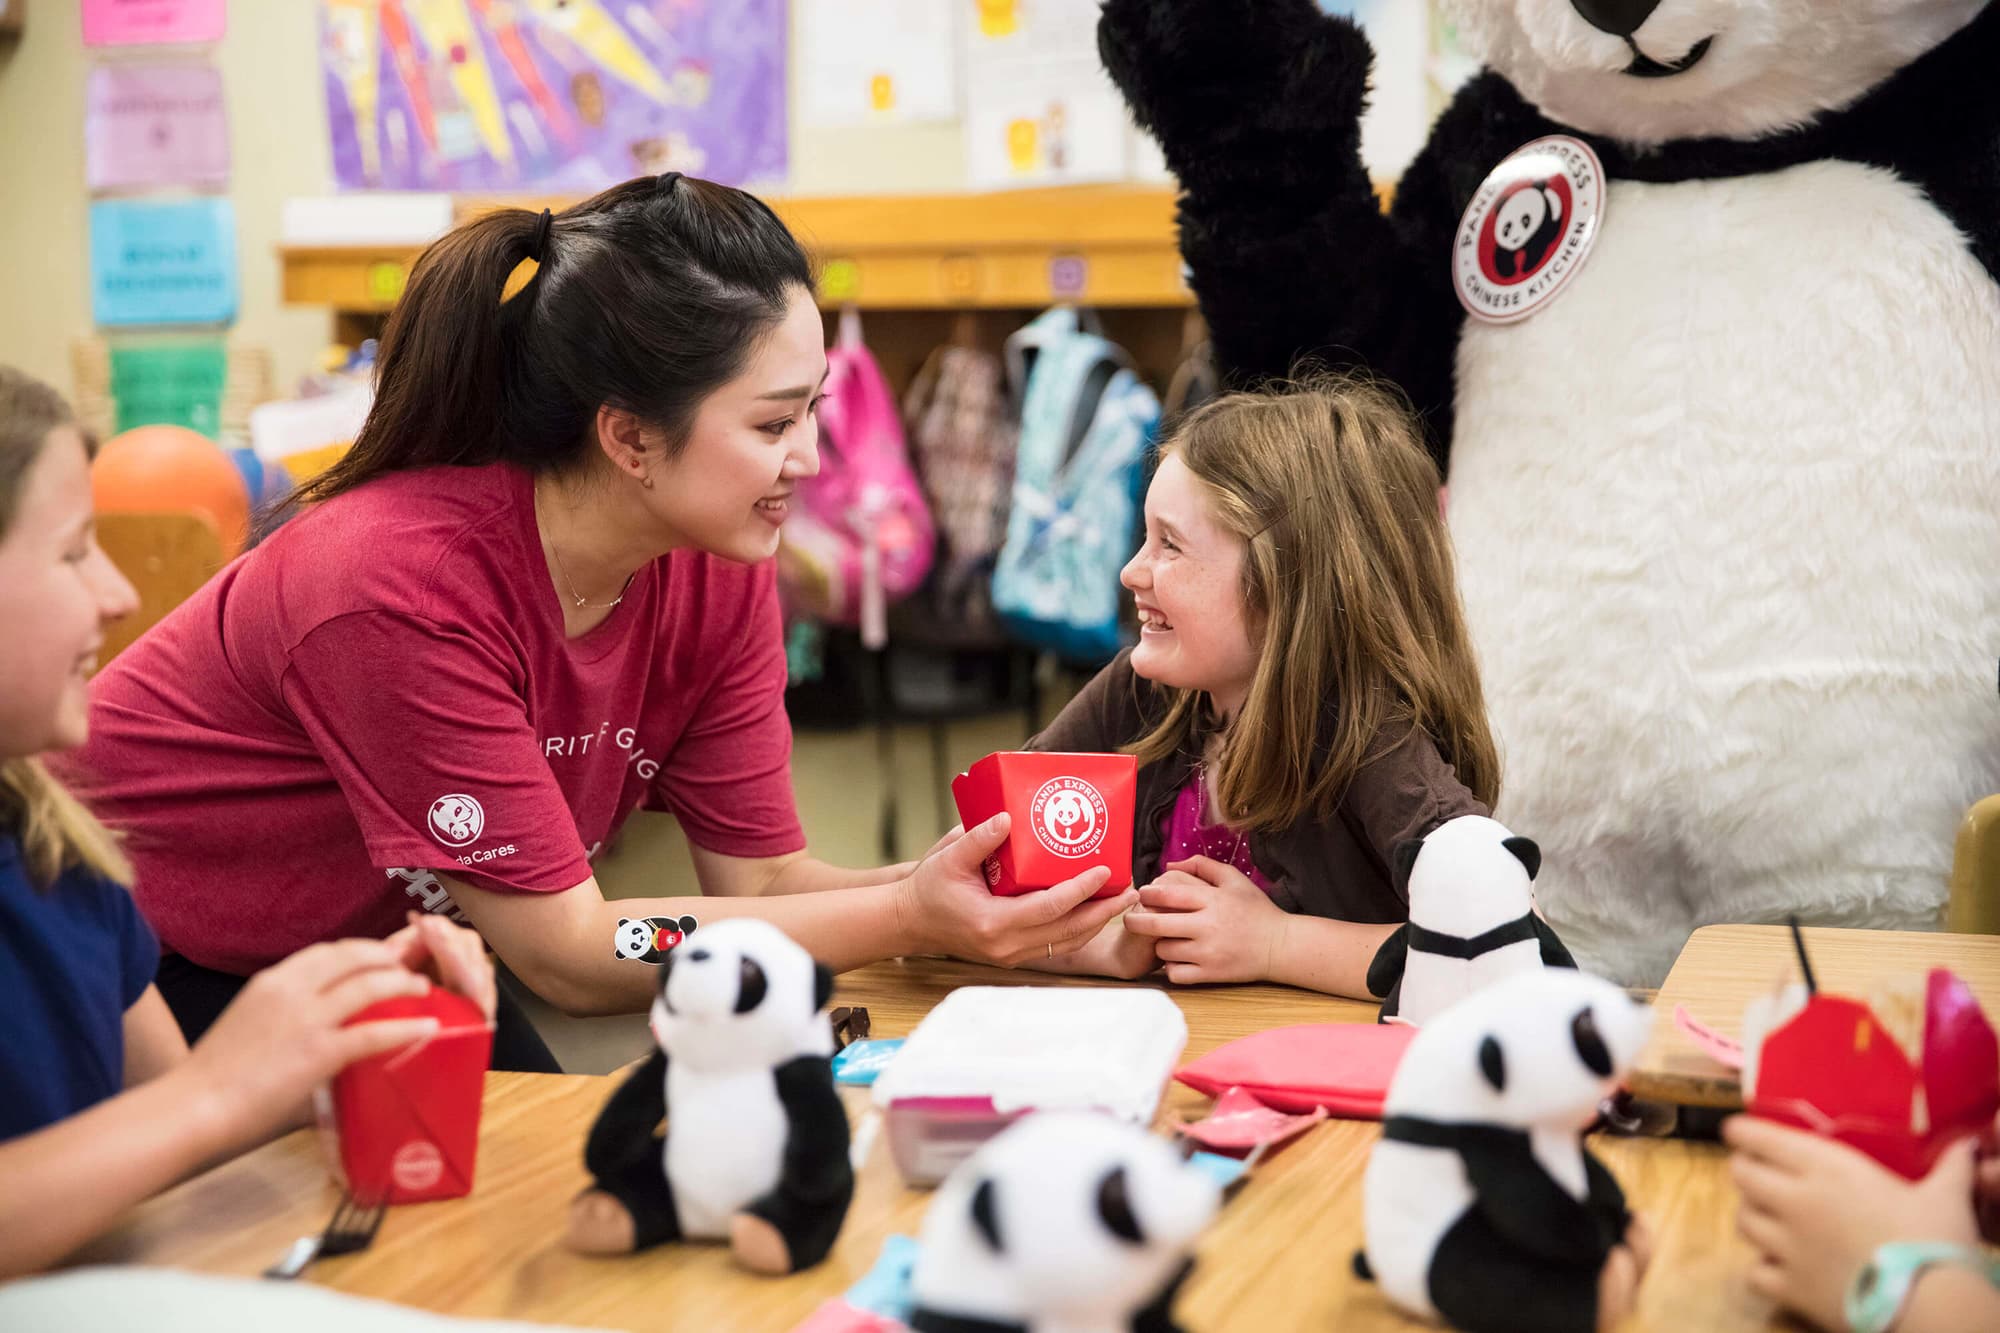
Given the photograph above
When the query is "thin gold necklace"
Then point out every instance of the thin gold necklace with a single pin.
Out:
(575, 596)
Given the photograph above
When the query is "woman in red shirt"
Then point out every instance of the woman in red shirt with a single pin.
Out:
(536, 595)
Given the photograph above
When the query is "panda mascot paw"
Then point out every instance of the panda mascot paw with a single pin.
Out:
(1187, 67)
(1066, 1221)
(1480, 1204)
(1470, 887)
(755, 1146)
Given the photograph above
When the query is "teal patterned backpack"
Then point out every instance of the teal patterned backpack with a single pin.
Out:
(1087, 420)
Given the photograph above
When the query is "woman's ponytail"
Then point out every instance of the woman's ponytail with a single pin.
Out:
(647, 298)
(441, 370)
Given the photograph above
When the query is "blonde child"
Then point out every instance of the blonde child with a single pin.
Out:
(101, 1101)
(1302, 699)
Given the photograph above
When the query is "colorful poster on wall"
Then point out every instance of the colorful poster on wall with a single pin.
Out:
(173, 384)
(155, 125)
(163, 263)
(1039, 109)
(134, 22)
(877, 62)
(558, 95)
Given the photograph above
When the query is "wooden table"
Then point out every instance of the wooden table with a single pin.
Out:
(1276, 1259)
(1723, 968)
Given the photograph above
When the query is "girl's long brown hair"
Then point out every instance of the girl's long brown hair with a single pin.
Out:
(1348, 579)
(56, 833)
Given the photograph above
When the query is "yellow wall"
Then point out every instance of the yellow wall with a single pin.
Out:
(277, 117)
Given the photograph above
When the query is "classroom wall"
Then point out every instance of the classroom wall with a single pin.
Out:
(270, 71)
(271, 76)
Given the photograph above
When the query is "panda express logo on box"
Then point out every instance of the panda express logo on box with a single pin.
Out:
(1529, 229)
(1068, 816)
(417, 1166)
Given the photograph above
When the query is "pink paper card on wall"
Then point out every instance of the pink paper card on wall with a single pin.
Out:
(136, 22)
(156, 125)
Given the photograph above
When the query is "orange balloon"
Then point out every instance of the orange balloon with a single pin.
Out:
(170, 469)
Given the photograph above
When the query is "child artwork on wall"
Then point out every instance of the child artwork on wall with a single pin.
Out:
(559, 95)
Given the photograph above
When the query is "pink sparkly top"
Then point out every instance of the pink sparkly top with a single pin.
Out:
(1185, 834)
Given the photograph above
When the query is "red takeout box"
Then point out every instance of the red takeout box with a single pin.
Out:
(1071, 812)
(404, 1125)
(1834, 1069)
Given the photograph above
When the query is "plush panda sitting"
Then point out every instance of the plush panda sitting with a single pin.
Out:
(1066, 1222)
(755, 1149)
(1480, 1203)
(1723, 482)
(1472, 919)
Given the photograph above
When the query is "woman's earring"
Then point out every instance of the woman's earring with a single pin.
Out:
(647, 482)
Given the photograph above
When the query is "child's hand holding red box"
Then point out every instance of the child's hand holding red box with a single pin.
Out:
(403, 1123)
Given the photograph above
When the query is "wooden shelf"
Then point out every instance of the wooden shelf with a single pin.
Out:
(1100, 245)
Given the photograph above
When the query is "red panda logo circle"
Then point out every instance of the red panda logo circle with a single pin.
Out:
(1068, 815)
(1528, 229)
(457, 819)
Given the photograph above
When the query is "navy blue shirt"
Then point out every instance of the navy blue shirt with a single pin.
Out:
(73, 958)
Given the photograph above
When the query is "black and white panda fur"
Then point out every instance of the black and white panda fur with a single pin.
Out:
(1480, 1203)
(649, 939)
(742, 1077)
(1066, 1222)
(1725, 508)
(1469, 884)
(1529, 219)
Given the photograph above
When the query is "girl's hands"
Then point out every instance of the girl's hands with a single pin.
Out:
(283, 1036)
(1209, 923)
(1118, 952)
(449, 955)
(1816, 1210)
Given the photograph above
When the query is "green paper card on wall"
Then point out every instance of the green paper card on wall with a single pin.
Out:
(172, 384)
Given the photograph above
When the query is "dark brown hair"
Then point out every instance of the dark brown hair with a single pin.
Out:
(647, 298)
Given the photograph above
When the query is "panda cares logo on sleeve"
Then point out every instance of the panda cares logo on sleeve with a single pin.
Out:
(457, 819)
(1068, 815)
(1528, 229)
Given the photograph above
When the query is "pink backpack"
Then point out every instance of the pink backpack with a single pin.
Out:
(862, 537)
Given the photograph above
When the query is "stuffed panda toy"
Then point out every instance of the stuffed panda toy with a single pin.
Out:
(1722, 474)
(648, 939)
(1480, 1204)
(1065, 1222)
(755, 1149)
(1472, 922)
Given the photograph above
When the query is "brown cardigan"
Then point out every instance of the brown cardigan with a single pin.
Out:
(1339, 867)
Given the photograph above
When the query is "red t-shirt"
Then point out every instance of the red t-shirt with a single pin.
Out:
(383, 689)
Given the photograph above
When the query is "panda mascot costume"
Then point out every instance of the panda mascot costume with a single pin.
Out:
(1698, 300)
(755, 1149)
(1066, 1222)
(1470, 886)
(1480, 1203)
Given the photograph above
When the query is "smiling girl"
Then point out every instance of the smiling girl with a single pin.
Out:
(535, 596)
(1303, 697)
(101, 1101)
